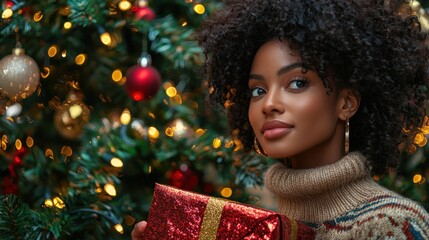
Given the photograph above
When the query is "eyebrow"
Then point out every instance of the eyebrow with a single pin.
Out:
(281, 71)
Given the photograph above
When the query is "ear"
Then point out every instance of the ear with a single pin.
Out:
(348, 103)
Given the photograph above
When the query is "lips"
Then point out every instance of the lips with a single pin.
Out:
(275, 129)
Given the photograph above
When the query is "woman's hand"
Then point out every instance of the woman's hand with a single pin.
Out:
(137, 233)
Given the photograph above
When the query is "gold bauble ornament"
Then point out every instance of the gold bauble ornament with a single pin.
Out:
(71, 117)
(19, 75)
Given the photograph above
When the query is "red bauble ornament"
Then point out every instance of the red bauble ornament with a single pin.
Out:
(9, 4)
(184, 179)
(145, 13)
(143, 82)
(9, 185)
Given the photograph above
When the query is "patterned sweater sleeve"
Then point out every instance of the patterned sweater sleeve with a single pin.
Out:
(384, 217)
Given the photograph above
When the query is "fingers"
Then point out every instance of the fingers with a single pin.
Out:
(137, 233)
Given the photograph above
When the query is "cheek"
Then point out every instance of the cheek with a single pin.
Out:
(315, 111)
(254, 116)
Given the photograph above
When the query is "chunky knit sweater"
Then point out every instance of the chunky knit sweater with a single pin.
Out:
(341, 201)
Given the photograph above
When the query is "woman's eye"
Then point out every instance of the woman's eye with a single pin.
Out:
(298, 84)
(257, 91)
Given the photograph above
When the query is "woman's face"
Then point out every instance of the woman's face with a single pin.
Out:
(290, 111)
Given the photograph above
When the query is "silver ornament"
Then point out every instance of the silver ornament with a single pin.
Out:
(19, 75)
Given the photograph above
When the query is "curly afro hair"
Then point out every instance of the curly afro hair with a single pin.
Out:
(375, 47)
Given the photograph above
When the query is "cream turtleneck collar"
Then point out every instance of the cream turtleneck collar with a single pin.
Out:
(323, 193)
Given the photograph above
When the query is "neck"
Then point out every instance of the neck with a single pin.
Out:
(322, 193)
(325, 153)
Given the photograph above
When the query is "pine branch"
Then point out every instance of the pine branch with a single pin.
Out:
(15, 218)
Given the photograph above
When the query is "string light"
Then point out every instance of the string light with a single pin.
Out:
(52, 51)
(200, 132)
(58, 203)
(7, 13)
(420, 140)
(29, 141)
(183, 22)
(229, 144)
(125, 117)
(45, 73)
(49, 153)
(116, 75)
(199, 8)
(106, 39)
(18, 144)
(418, 179)
(80, 59)
(4, 142)
(153, 133)
(66, 151)
(226, 192)
(67, 25)
(110, 189)
(75, 111)
(38, 16)
(116, 162)
(118, 227)
(124, 5)
(171, 92)
(216, 143)
(48, 203)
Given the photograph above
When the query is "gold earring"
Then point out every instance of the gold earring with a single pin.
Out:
(347, 136)
(257, 148)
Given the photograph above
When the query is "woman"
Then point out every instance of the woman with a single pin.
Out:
(334, 89)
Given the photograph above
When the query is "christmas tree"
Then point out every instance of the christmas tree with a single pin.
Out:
(102, 99)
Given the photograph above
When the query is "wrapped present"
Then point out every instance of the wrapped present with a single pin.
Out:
(179, 214)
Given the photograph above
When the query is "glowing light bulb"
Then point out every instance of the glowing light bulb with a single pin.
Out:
(110, 189)
(226, 192)
(153, 133)
(38, 16)
(117, 75)
(116, 162)
(58, 203)
(216, 143)
(124, 5)
(199, 8)
(417, 178)
(18, 144)
(118, 227)
(125, 117)
(171, 91)
(106, 39)
(48, 203)
(52, 51)
(45, 73)
(80, 59)
(75, 111)
(29, 141)
(7, 13)
(67, 25)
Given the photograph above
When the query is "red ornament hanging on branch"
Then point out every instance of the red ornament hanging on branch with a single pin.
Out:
(143, 80)
(143, 11)
(9, 183)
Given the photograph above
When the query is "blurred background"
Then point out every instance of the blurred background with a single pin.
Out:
(101, 99)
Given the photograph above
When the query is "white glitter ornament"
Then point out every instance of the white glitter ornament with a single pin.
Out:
(19, 75)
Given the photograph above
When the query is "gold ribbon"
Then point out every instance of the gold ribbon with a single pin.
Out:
(294, 229)
(211, 219)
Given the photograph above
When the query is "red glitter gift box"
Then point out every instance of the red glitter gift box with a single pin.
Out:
(178, 214)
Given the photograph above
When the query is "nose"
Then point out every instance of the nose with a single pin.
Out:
(273, 102)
